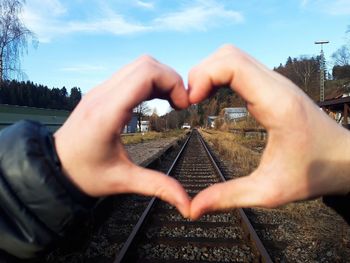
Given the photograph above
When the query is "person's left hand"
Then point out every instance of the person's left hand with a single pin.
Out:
(89, 144)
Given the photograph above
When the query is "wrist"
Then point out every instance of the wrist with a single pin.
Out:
(337, 159)
(33, 191)
(73, 189)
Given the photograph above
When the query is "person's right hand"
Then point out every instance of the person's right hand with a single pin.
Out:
(307, 153)
(89, 144)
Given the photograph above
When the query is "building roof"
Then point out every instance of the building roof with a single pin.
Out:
(336, 94)
(335, 104)
(336, 99)
(235, 110)
(341, 91)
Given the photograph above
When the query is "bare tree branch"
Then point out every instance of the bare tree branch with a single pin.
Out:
(14, 36)
(141, 111)
(341, 57)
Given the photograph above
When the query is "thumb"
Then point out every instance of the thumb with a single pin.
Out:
(242, 192)
(152, 183)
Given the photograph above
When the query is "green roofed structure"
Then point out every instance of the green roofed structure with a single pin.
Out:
(53, 119)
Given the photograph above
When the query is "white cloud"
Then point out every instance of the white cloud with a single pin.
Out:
(199, 16)
(334, 7)
(86, 68)
(55, 7)
(46, 19)
(40, 17)
(144, 4)
(339, 7)
(50, 19)
(116, 25)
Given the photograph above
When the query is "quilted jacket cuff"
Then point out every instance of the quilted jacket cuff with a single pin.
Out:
(38, 201)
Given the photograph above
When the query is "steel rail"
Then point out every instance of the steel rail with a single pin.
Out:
(247, 226)
(123, 252)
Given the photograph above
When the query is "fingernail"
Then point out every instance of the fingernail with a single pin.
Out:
(185, 213)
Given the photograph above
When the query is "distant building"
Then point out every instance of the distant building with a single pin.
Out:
(144, 126)
(337, 105)
(186, 126)
(211, 121)
(131, 127)
(235, 114)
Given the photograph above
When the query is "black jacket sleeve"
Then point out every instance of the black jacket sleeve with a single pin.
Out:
(340, 204)
(38, 204)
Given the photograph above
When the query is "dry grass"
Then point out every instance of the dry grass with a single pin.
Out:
(149, 136)
(234, 148)
(247, 123)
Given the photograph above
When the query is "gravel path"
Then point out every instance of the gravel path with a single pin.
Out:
(144, 153)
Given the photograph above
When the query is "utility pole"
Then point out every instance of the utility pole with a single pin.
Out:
(322, 68)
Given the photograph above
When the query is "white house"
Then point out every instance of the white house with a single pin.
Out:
(235, 114)
(144, 126)
(211, 121)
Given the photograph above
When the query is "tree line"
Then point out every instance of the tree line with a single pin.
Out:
(15, 36)
(33, 95)
(196, 115)
(304, 71)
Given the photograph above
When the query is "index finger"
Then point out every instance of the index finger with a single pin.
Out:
(138, 81)
(148, 79)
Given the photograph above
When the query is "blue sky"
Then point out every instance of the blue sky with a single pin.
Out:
(81, 43)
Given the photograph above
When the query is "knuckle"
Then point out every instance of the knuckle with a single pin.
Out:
(196, 74)
(228, 51)
(227, 47)
(146, 59)
(294, 107)
(178, 79)
(89, 106)
(147, 66)
(193, 72)
(272, 199)
(161, 193)
(269, 201)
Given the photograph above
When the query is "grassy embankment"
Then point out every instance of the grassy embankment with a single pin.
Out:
(13, 109)
(241, 151)
(148, 136)
(52, 118)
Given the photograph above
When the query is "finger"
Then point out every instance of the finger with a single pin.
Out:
(147, 79)
(242, 192)
(151, 183)
(229, 66)
(112, 102)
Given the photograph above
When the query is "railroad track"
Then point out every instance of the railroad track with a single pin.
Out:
(162, 235)
(113, 221)
(119, 214)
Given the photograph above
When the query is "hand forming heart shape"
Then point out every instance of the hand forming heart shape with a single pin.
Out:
(301, 159)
